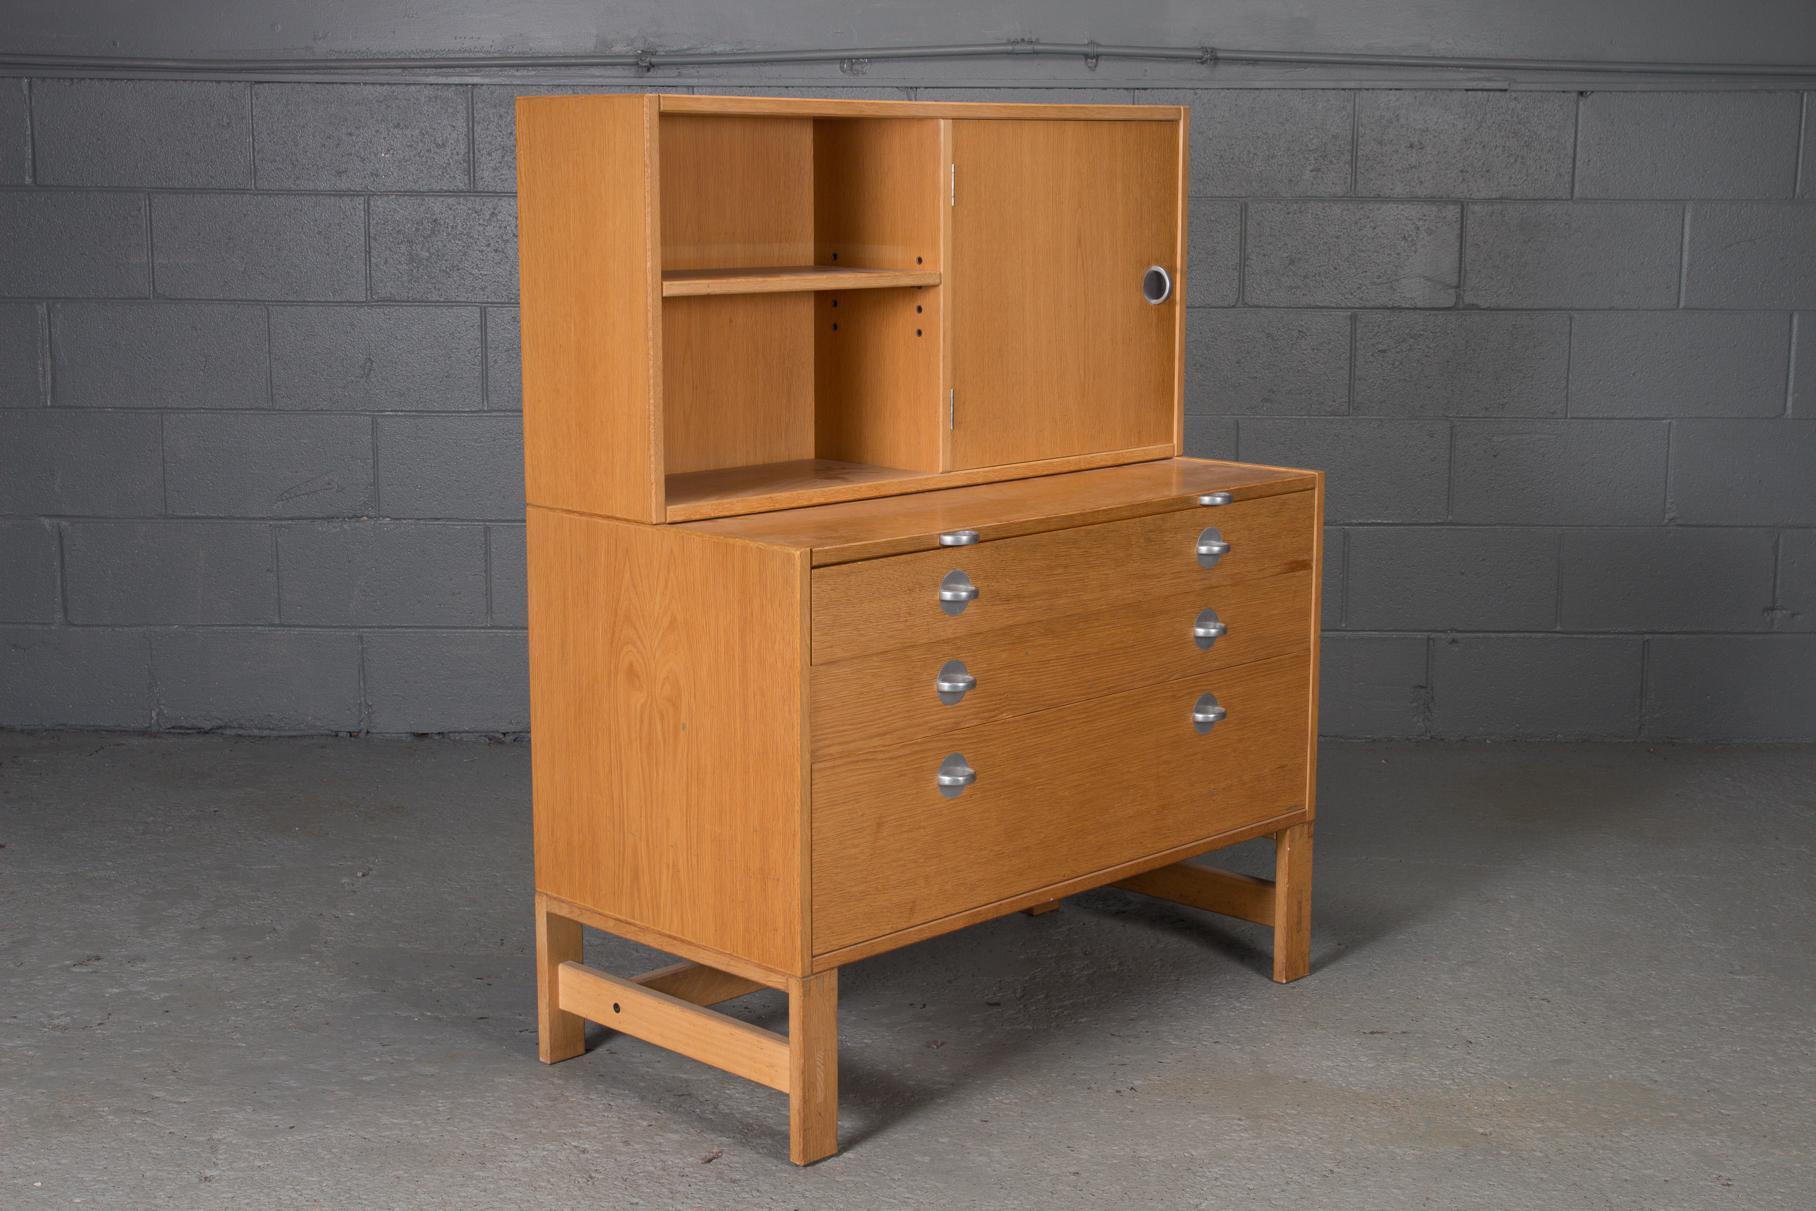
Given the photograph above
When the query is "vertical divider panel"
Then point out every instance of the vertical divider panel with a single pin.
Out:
(878, 193)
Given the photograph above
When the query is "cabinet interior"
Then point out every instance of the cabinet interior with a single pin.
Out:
(802, 326)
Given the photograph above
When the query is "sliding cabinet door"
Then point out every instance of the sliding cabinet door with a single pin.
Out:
(1057, 349)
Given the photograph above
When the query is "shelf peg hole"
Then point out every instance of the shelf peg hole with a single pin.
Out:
(615, 1008)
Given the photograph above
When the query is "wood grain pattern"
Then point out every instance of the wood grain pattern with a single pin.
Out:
(697, 983)
(666, 687)
(758, 489)
(830, 108)
(738, 380)
(883, 943)
(878, 189)
(1220, 891)
(1293, 903)
(888, 697)
(899, 525)
(813, 1067)
(881, 604)
(1314, 637)
(726, 1043)
(559, 1035)
(1058, 794)
(877, 378)
(783, 279)
(1056, 351)
(592, 369)
(657, 939)
(737, 192)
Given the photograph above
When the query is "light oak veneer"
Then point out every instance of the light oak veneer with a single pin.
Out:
(787, 364)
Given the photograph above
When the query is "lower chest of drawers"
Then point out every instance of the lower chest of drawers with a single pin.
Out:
(795, 740)
(1107, 693)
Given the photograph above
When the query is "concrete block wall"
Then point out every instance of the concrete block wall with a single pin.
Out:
(260, 454)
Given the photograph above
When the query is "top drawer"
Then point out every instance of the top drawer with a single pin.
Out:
(879, 604)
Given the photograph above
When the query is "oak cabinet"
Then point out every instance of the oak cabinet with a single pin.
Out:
(870, 595)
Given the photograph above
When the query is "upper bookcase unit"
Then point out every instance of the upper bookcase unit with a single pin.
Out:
(736, 304)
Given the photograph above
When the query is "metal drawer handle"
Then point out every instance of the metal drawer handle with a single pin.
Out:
(1207, 713)
(1207, 628)
(1215, 498)
(959, 538)
(1211, 547)
(953, 681)
(956, 592)
(955, 774)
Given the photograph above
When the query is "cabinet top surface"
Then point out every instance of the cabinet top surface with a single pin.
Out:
(865, 529)
(828, 107)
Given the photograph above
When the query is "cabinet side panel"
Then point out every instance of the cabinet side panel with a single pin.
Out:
(666, 673)
(590, 285)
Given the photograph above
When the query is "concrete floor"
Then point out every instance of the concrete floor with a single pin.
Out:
(296, 973)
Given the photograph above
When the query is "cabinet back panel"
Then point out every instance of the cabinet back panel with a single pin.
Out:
(738, 380)
(737, 192)
(1055, 350)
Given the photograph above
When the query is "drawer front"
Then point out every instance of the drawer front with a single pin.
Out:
(893, 696)
(1057, 795)
(878, 605)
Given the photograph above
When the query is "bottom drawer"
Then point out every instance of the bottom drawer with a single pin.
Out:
(1057, 795)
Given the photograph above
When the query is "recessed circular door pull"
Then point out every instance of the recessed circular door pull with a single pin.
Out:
(1207, 713)
(953, 682)
(956, 592)
(955, 774)
(1156, 284)
(1207, 628)
(959, 538)
(1211, 547)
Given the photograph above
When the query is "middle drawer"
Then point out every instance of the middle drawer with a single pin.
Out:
(895, 601)
(864, 701)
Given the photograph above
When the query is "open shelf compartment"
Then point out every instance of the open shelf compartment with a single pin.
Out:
(801, 303)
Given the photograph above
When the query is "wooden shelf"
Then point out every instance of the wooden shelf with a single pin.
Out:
(785, 279)
(727, 490)
(798, 483)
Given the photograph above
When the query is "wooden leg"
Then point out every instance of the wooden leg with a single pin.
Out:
(559, 1036)
(813, 1067)
(1041, 910)
(1293, 902)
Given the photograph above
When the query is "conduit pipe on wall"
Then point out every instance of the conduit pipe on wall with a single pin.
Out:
(852, 58)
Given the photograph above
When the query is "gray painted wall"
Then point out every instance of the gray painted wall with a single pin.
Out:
(259, 434)
(1739, 31)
